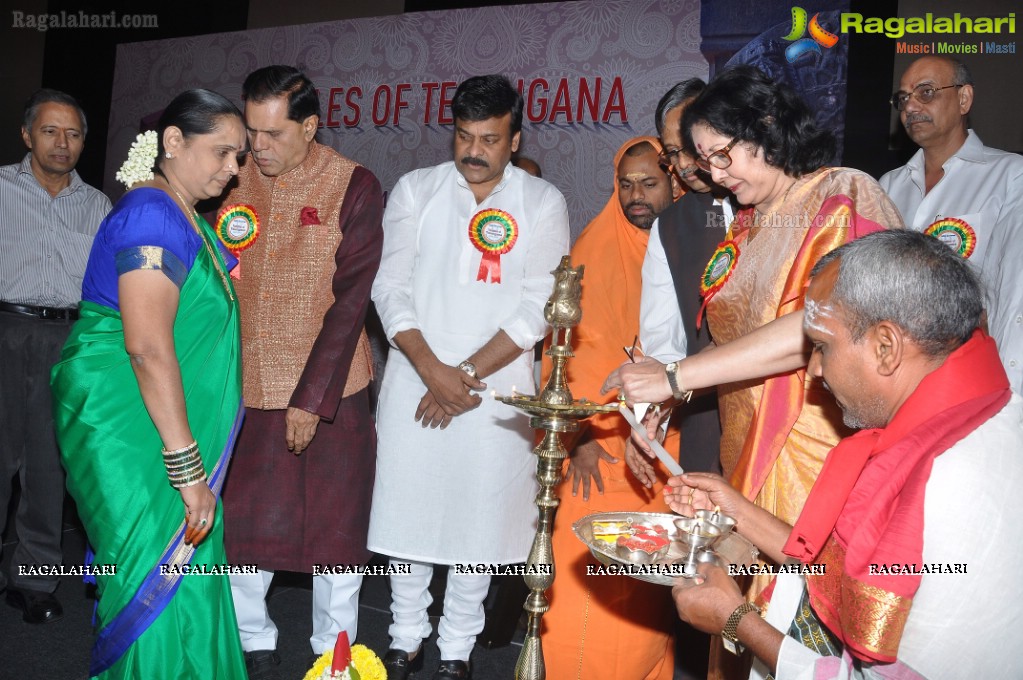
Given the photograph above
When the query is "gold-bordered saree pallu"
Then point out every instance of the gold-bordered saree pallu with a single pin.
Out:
(153, 622)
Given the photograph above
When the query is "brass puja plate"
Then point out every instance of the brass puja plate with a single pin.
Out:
(662, 570)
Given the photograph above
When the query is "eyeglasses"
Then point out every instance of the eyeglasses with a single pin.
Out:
(923, 94)
(719, 159)
(668, 156)
(668, 159)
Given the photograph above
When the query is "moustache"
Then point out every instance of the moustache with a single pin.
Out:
(917, 118)
(478, 162)
(639, 204)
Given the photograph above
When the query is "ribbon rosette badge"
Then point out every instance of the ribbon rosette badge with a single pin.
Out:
(720, 267)
(494, 233)
(956, 234)
(237, 226)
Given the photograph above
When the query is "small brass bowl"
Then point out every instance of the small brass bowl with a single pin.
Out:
(700, 535)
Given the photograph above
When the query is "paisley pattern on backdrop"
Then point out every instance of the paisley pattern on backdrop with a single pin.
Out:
(591, 71)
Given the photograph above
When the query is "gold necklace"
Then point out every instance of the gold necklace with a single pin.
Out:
(195, 225)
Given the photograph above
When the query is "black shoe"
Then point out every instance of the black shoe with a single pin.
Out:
(453, 670)
(399, 666)
(36, 606)
(260, 664)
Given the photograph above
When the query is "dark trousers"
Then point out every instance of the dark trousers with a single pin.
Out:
(29, 348)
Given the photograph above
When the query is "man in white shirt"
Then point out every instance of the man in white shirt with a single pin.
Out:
(910, 538)
(48, 218)
(968, 195)
(682, 241)
(469, 247)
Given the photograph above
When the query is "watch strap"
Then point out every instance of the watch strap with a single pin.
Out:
(671, 370)
(730, 633)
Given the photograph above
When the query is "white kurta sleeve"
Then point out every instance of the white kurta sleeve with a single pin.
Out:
(661, 333)
(549, 243)
(392, 287)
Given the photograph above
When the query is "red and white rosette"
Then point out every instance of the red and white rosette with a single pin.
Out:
(493, 232)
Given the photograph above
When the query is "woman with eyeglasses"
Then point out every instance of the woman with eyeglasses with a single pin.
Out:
(759, 140)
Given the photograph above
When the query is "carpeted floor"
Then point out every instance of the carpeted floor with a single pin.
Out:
(60, 650)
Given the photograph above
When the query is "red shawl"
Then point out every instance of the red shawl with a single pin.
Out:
(867, 506)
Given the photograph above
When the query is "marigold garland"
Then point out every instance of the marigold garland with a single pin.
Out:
(367, 664)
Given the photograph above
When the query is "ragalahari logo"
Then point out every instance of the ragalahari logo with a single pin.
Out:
(801, 46)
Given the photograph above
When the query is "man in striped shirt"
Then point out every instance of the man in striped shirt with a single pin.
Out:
(48, 218)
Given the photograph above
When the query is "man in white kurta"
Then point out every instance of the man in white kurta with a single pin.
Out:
(967, 194)
(469, 247)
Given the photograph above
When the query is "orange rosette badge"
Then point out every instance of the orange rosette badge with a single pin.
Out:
(956, 234)
(493, 232)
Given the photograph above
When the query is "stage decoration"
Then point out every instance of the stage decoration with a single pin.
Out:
(347, 662)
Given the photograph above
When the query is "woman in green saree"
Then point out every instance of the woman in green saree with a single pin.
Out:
(153, 363)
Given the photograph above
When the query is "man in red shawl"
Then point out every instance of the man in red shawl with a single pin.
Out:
(910, 540)
(611, 627)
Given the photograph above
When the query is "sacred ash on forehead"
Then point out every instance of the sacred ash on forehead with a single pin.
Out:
(814, 312)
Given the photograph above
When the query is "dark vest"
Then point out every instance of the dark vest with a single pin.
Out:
(690, 230)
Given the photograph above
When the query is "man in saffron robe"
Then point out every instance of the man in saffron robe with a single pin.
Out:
(912, 524)
(609, 626)
(300, 486)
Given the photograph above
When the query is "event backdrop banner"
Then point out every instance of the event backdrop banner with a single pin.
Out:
(591, 74)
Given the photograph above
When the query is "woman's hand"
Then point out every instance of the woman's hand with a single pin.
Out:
(200, 510)
(642, 381)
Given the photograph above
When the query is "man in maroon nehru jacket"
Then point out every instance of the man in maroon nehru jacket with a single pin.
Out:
(306, 222)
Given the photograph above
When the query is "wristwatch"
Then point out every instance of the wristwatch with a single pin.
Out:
(468, 367)
(676, 390)
(730, 634)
